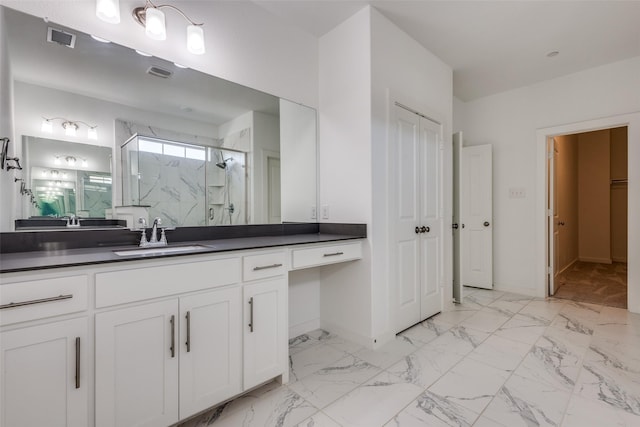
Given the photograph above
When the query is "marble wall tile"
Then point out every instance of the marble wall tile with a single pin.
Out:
(374, 403)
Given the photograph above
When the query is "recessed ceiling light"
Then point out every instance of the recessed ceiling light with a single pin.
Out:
(100, 39)
(553, 53)
(139, 52)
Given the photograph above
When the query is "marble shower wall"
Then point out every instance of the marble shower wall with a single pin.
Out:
(226, 187)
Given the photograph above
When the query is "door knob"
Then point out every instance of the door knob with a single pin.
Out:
(560, 222)
(417, 230)
(486, 224)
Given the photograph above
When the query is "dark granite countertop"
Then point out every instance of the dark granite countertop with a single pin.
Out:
(66, 255)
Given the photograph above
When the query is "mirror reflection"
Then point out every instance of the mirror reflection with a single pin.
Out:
(188, 147)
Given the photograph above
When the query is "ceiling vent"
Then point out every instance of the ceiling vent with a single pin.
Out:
(159, 72)
(55, 35)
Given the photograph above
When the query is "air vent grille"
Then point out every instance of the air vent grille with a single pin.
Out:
(63, 38)
(159, 72)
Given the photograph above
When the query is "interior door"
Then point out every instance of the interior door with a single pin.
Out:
(416, 162)
(457, 271)
(552, 215)
(430, 197)
(406, 185)
(476, 216)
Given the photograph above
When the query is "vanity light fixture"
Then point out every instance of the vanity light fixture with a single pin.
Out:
(152, 18)
(108, 11)
(71, 161)
(85, 163)
(70, 127)
(57, 161)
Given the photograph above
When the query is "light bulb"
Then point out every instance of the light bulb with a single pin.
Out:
(70, 128)
(108, 11)
(195, 39)
(47, 126)
(154, 26)
(92, 133)
(85, 163)
(57, 160)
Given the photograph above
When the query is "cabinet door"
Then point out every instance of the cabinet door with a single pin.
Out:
(137, 366)
(265, 331)
(43, 375)
(210, 349)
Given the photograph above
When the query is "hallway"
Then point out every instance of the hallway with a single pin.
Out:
(602, 284)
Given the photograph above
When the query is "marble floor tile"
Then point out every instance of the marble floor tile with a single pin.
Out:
(556, 358)
(523, 402)
(373, 403)
(338, 378)
(578, 317)
(480, 299)
(425, 366)
(301, 342)
(339, 343)
(470, 384)
(427, 331)
(543, 311)
(522, 328)
(454, 316)
(505, 307)
(458, 340)
(280, 407)
(522, 299)
(319, 419)
(311, 360)
(584, 413)
(501, 353)
(432, 410)
(487, 422)
(485, 320)
(607, 378)
(388, 354)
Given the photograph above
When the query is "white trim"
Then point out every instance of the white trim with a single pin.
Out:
(632, 121)
(303, 328)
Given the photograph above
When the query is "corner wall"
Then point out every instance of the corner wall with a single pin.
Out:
(8, 188)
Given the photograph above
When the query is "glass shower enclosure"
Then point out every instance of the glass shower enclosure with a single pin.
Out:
(184, 184)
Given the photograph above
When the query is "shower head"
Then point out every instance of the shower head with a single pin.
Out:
(223, 164)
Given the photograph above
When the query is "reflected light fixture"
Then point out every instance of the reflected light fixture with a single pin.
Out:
(108, 11)
(152, 18)
(70, 127)
(71, 161)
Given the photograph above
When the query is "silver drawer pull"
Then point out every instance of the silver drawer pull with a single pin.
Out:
(334, 254)
(265, 267)
(35, 301)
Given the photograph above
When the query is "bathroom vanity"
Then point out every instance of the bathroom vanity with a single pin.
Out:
(111, 336)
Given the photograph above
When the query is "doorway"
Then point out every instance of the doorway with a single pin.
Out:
(587, 216)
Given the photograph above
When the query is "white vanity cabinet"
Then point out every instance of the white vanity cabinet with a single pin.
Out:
(43, 366)
(43, 375)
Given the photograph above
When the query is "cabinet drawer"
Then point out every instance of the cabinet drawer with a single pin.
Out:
(123, 286)
(312, 257)
(263, 265)
(38, 299)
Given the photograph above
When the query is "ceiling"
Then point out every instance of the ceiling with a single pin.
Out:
(493, 46)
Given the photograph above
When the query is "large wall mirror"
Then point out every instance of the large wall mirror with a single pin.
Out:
(101, 126)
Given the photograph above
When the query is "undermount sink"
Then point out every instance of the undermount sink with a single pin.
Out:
(162, 250)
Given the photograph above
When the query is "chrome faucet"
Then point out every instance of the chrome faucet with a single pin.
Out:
(73, 221)
(154, 234)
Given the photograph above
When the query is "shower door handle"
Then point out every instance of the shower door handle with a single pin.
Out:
(211, 214)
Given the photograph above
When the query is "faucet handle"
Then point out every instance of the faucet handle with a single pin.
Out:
(142, 222)
(163, 237)
(157, 221)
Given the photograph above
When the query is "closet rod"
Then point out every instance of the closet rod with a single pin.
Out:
(418, 113)
(619, 181)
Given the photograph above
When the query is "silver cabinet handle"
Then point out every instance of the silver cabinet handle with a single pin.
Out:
(35, 301)
(251, 314)
(188, 343)
(172, 321)
(334, 254)
(265, 267)
(77, 362)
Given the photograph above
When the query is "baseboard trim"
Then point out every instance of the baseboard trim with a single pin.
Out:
(532, 292)
(567, 267)
(303, 328)
(616, 259)
(597, 260)
(344, 333)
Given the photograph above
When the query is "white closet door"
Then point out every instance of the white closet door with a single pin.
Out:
(406, 216)
(415, 185)
(476, 212)
(430, 173)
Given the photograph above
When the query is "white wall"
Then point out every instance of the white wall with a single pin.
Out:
(362, 61)
(511, 122)
(345, 168)
(7, 187)
(245, 43)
